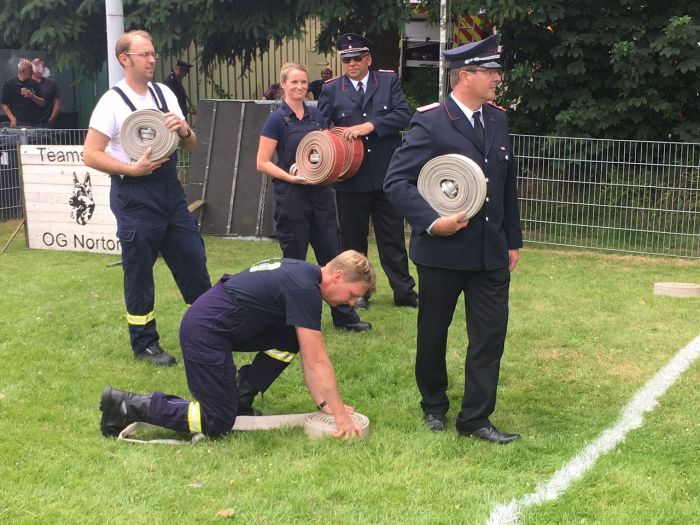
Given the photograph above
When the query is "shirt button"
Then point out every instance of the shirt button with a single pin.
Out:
(487, 199)
(364, 114)
(486, 161)
(487, 219)
(368, 150)
(487, 180)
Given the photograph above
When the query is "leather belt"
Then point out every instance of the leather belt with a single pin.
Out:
(452, 184)
(145, 128)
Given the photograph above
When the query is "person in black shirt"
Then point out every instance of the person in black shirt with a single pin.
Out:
(316, 86)
(274, 304)
(48, 90)
(21, 100)
(174, 82)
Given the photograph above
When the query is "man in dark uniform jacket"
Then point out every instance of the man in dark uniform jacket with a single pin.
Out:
(274, 304)
(371, 105)
(455, 256)
(174, 82)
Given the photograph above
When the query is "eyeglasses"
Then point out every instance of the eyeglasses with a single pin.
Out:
(346, 60)
(491, 72)
(145, 54)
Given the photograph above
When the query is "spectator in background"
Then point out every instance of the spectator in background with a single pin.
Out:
(316, 86)
(48, 90)
(273, 92)
(174, 82)
(21, 100)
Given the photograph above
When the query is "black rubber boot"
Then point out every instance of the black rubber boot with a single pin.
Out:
(120, 408)
(246, 395)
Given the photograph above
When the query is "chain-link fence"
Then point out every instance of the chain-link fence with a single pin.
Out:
(10, 141)
(617, 195)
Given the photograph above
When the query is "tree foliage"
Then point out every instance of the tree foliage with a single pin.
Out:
(602, 68)
(232, 31)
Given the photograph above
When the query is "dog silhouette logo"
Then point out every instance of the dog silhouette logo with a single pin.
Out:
(82, 203)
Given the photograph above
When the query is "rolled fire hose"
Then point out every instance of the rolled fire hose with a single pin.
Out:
(316, 424)
(452, 184)
(145, 128)
(354, 154)
(320, 157)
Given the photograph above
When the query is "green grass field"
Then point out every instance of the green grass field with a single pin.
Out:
(585, 334)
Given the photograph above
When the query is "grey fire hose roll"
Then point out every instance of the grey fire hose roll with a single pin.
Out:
(316, 424)
(145, 128)
(452, 184)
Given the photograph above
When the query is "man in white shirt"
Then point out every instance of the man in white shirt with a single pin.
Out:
(146, 196)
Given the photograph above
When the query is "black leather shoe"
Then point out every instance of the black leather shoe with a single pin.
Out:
(362, 303)
(435, 422)
(490, 433)
(411, 302)
(359, 326)
(156, 355)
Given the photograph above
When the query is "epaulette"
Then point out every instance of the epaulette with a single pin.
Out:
(497, 106)
(331, 79)
(423, 109)
(386, 70)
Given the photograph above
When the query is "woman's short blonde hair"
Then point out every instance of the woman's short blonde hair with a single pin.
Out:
(291, 66)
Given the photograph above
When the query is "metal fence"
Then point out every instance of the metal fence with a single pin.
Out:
(10, 141)
(616, 195)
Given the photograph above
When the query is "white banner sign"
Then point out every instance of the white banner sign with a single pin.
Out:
(66, 203)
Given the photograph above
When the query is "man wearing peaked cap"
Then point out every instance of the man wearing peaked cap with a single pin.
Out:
(352, 45)
(174, 82)
(371, 107)
(454, 256)
(483, 53)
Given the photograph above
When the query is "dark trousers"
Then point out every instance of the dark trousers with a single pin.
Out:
(486, 306)
(306, 215)
(354, 212)
(152, 219)
(214, 327)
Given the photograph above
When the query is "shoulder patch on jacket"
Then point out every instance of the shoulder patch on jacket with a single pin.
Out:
(386, 70)
(496, 106)
(423, 109)
(331, 79)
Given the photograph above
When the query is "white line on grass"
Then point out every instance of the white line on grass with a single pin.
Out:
(630, 418)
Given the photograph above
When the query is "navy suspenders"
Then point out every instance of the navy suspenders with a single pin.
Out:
(158, 97)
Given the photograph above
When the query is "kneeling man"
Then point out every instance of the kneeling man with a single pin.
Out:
(273, 306)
